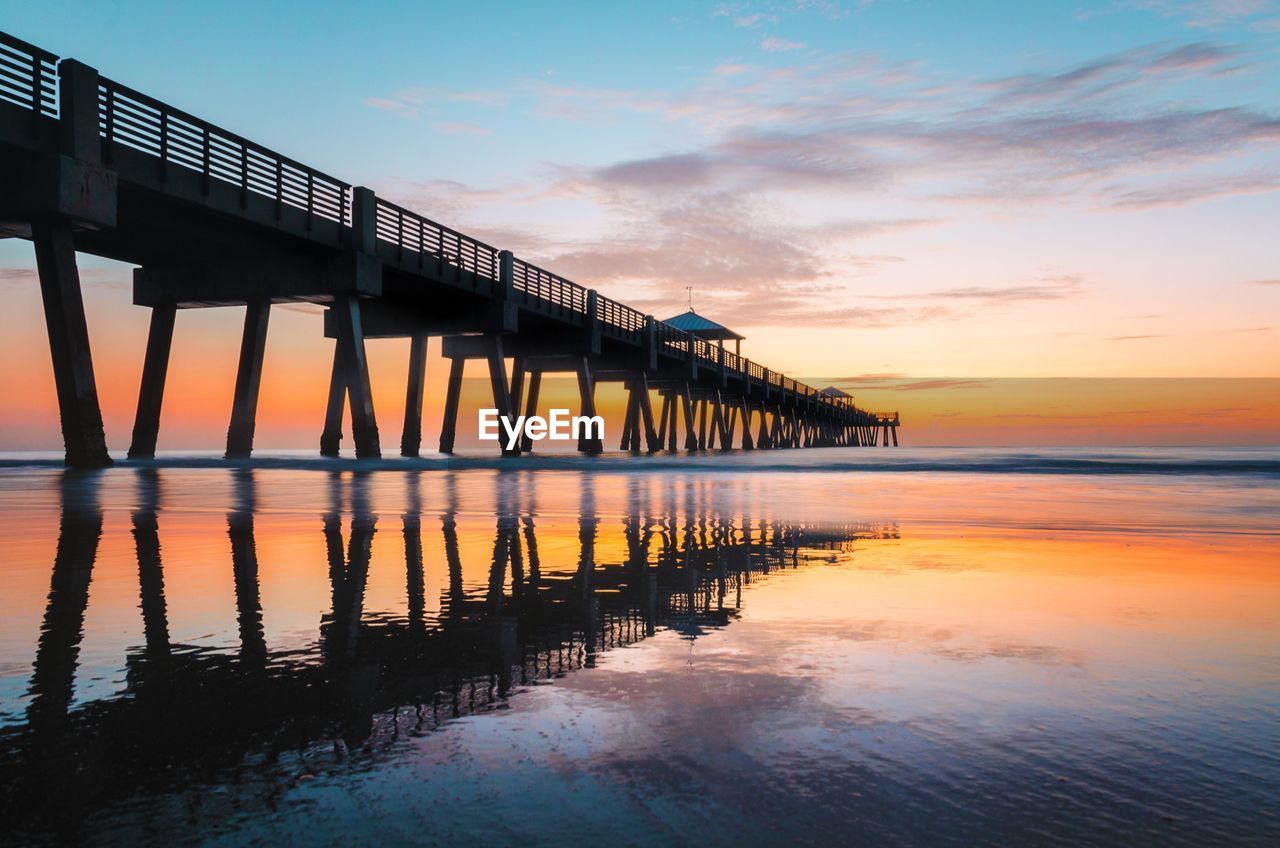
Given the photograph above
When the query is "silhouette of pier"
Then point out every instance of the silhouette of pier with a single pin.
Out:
(191, 717)
(212, 219)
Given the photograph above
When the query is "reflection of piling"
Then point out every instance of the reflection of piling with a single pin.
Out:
(58, 651)
(146, 535)
(244, 567)
(349, 587)
(681, 565)
(414, 579)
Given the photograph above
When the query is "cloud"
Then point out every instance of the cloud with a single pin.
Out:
(1134, 338)
(773, 44)
(460, 128)
(756, 199)
(1049, 287)
(1275, 282)
(1193, 189)
(867, 378)
(933, 385)
(746, 14)
(107, 278)
(856, 121)
(396, 107)
(1145, 65)
(412, 101)
(680, 170)
(725, 245)
(451, 199)
(18, 275)
(1207, 13)
(1010, 293)
(303, 308)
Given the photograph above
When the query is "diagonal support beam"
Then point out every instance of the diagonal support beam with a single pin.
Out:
(653, 442)
(501, 389)
(244, 402)
(82, 433)
(415, 390)
(587, 392)
(531, 407)
(331, 438)
(155, 367)
(690, 432)
(355, 368)
(452, 397)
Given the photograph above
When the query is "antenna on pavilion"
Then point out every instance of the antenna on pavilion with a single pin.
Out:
(689, 289)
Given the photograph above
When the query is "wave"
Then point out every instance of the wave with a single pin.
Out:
(1109, 461)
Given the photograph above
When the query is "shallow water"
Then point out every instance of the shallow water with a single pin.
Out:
(280, 654)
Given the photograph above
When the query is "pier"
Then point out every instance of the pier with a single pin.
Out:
(211, 219)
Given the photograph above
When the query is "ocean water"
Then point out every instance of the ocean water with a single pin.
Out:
(866, 647)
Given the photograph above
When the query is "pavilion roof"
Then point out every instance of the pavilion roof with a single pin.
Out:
(701, 326)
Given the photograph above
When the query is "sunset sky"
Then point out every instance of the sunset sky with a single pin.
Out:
(875, 193)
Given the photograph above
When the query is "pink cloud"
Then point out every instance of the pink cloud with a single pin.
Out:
(773, 44)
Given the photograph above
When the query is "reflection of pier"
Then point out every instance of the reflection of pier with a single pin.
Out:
(195, 714)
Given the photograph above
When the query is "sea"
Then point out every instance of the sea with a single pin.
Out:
(832, 646)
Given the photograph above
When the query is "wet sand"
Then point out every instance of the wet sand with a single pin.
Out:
(291, 656)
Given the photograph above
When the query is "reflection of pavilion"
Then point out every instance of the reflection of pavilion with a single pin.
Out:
(195, 715)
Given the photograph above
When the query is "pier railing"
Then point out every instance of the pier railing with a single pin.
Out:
(418, 238)
(133, 119)
(560, 297)
(620, 320)
(28, 76)
(29, 79)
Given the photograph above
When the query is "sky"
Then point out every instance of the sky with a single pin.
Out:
(871, 192)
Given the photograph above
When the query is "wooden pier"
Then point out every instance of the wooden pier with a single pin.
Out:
(212, 219)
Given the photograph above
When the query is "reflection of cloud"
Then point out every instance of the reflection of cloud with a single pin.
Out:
(962, 644)
(1038, 654)
(1135, 338)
